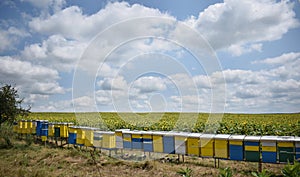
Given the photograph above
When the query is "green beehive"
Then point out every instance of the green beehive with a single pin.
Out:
(285, 148)
(252, 148)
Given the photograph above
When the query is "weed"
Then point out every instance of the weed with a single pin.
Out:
(264, 173)
(226, 172)
(187, 172)
(291, 170)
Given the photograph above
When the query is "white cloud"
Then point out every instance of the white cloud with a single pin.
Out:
(31, 79)
(149, 84)
(10, 37)
(55, 52)
(283, 59)
(86, 26)
(236, 24)
(117, 83)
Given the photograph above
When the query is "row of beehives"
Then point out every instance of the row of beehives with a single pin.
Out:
(269, 149)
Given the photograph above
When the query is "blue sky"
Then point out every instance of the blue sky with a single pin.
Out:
(172, 55)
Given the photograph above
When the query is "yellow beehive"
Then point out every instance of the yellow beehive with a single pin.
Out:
(207, 145)
(51, 130)
(221, 146)
(193, 144)
(30, 127)
(24, 127)
(108, 140)
(20, 125)
(80, 136)
(157, 141)
(64, 130)
(89, 137)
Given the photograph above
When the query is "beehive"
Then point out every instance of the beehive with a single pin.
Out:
(169, 143)
(252, 148)
(119, 138)
(193, 144)
(147, 141)
(158, 141)
(127, 139)
(221, 146)
(89, 136)
(207, 145)
(80, 135)
(57, 129)
(51, 130)
(24, 127)
(180, 142)
(236, 148)
(286, 148)
(137, 140)
(98, 139)
(72, 134)
(109, 140)
(268, 149)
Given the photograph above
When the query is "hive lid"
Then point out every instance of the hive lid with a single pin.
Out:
(252, 138)
(285, 138)
(158, 133)
(208, 136)
(121, 130)
(147, 132)
(297, 139)
(183, 134)
(135, 132)
(108, 133)
(268, 138)
(195, 135)
(236, 137)
(222, 136)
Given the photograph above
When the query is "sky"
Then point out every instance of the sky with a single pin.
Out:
(148, 55)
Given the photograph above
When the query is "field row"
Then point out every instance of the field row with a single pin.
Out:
(245, 124)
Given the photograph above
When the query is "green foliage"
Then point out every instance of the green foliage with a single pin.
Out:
(264, 173)
(226, 172)
(10, 107)
(6, 134)
(291, 170)
(246, 124)
(187, 172)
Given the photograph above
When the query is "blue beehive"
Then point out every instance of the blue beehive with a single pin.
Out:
(147, 141)
(72, 135)
(127, 141)
(169, 143)
(44, 130)
(38, 127)
(268, 149)
(137, 140)
(236, 149)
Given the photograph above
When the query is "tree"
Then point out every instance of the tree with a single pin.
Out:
(10, 105)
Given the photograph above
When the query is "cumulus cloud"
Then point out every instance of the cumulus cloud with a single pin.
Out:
(33, 80)
(55, 52)
(86, 26)
(149, 84)
(117, 83)
(225, 28)
(10, 37)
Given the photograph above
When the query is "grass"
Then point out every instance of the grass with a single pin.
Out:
(38, 160)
